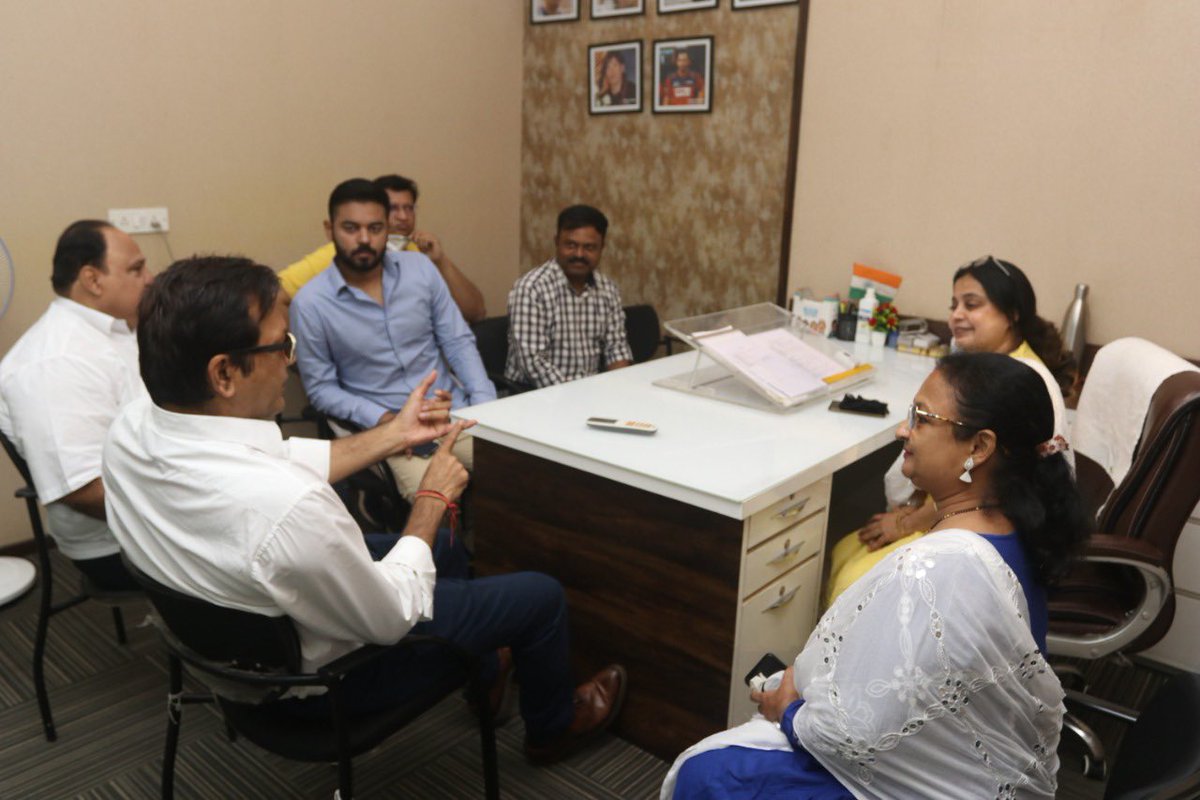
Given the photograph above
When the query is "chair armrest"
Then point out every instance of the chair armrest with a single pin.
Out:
(1147, 562)
(1106, 548)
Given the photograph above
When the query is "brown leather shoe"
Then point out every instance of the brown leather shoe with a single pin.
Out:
(597, 705)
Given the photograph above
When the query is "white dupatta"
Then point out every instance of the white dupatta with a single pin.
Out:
(923, 680)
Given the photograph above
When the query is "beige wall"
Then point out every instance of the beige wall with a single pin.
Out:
(1063, 136)
(240, 117)
(695, 201)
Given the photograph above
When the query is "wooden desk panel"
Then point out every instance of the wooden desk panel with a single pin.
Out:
(651, 583)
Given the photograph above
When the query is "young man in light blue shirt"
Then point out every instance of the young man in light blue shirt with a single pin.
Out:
(375, 322)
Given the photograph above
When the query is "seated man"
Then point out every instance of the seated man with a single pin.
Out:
(207, 498)
(565, 320)
(63, 382)
(375, 321)
(402, 221)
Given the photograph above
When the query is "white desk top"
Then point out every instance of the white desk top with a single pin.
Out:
(722, 457)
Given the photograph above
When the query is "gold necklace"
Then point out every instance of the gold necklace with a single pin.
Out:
(950, 514)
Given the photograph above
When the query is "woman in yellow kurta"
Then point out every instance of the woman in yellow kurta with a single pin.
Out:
(993, 309)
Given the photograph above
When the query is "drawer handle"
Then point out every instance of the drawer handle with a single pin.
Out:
(792, 510)
(787, 552)
(783, 600)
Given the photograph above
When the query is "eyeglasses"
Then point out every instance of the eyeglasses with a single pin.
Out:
(287, 347)
(915, 413)
(995, 262)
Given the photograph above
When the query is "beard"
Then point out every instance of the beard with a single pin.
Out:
(353, 260)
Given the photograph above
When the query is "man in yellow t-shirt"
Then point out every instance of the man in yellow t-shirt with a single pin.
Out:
(402, 235)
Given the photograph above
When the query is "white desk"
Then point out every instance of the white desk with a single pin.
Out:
(688, 553)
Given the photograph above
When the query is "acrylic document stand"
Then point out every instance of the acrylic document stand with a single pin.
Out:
(761, 360)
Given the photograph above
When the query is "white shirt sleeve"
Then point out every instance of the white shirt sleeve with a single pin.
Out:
(317, 569)
(62, 409)
(311, 453)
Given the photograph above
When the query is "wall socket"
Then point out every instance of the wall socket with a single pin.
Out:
(139, 220)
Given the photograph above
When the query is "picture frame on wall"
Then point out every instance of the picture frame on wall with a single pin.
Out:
(615, 77)
(542, 11)
(683, 75)
(617, 8)
(743, 4)
(672, 6)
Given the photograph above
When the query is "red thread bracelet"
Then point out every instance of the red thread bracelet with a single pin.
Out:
(451, 507)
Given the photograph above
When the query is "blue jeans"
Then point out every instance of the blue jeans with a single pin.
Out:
(526, 611)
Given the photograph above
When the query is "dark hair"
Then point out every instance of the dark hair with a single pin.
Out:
(1011, 292)
(81, 244)
(576, 217)
(198, 308)
(356, 190)
(601, 74)
(1037, 494)
(397, 183)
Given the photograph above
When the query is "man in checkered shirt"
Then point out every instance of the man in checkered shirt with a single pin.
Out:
(565, 320)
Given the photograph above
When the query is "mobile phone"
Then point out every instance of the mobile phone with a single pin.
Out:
(767, 666)
(425, 450)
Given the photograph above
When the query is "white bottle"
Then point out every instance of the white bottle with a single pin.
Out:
(866, 309)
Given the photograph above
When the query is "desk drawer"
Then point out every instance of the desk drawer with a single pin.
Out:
(781, 552)
(776, 620)
(785, 512)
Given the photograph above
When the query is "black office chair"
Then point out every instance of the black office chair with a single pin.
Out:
(1160, 754)
(248, 661)
(47, 608)
(491, 338)
(642, 330)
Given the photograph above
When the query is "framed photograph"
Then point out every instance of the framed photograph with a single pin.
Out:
(683, 75)
(553, 10)
(617, 8)
(738, 4)
(671, 6)
(615, 75)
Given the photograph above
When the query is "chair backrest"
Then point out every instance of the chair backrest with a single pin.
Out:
(641, 327)
(29, 493)
(1157, 494)
(491, 337)
(228, 635)
(1160, 755)
(18, 461)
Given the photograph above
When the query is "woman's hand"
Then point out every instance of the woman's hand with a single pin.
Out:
(772, 704)
(883, 529)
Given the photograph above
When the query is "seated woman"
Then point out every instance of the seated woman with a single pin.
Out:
(993, 310)
(924, 679)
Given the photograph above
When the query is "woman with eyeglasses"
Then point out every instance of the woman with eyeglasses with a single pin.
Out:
(926, 677)
(993, 309)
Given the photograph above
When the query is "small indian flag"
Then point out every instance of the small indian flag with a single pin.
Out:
(863, 277)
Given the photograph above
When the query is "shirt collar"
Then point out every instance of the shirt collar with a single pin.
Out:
(562, 277)
(97, 319)
(260, 434)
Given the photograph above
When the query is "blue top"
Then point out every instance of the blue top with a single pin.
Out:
(740, 773)
(1010, 549)
(360, 359)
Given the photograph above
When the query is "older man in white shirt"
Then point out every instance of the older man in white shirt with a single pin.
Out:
(63, 382)
(206, 497)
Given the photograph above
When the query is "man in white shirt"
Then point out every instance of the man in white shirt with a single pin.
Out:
(206, 497)
(64, 381)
